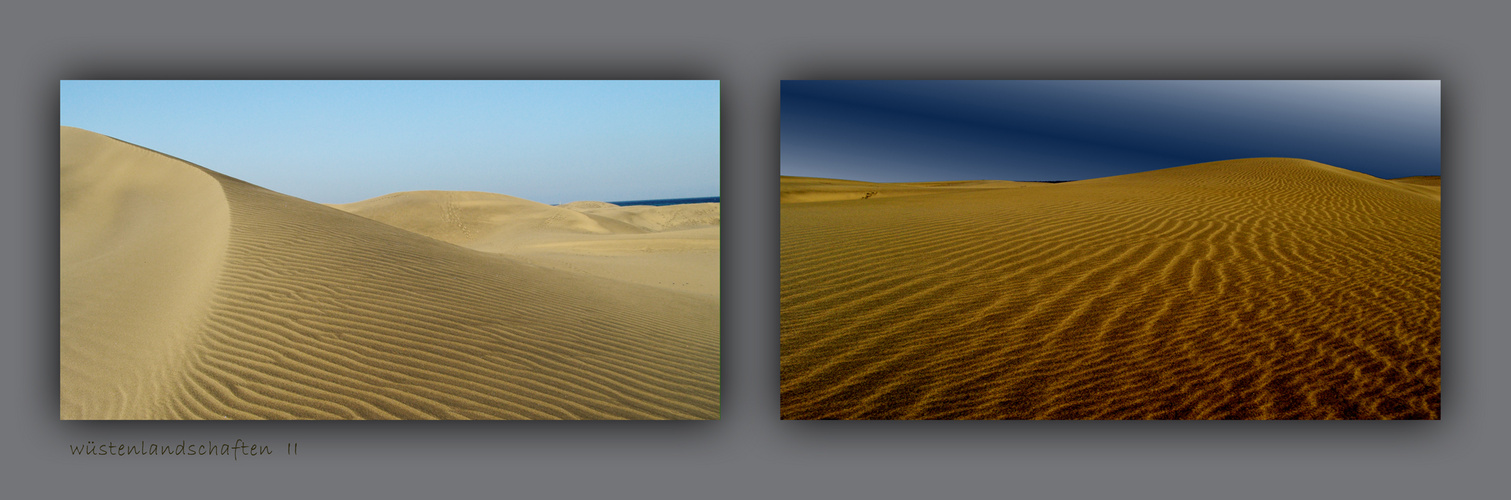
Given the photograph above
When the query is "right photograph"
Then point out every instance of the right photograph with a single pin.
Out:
(1111, 250)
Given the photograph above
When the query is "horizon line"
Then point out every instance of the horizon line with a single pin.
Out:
(1058, 181)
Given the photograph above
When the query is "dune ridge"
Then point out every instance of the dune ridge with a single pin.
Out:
(123, 336)
(309, 312)
(1265, 288)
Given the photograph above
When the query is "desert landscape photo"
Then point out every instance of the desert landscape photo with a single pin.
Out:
(1109, 250)
(389, 250)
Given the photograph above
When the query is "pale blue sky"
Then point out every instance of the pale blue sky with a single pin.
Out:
(345, 141)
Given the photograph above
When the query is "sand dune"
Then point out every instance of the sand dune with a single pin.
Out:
(143, 239)
(1428, 185)
(186, 294)
(1247, 289)
(484, 221)
(672, 247)
(651, 218)
(1424, 180)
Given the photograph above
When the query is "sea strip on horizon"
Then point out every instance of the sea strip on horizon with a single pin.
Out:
(667, 201)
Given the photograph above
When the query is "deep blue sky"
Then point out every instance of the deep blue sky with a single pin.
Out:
(897, 131)
(345, 141)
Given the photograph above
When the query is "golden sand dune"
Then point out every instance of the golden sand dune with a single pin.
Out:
(672, 247)
(1262, 288)
(186, 294)
(1424, 180)
(1429, 185)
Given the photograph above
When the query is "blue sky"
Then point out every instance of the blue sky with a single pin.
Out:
(345, 141)
(896, 131)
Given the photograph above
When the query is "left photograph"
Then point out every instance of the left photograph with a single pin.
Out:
(398, 250)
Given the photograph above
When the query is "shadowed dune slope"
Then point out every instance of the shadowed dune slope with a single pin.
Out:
(1263, 288)
(297, 310)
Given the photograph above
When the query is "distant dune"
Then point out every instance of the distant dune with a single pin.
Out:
(1430, 185)
(1262, 288)
(812, 189)
(1425, 180)
(672, 247)
(187, 294)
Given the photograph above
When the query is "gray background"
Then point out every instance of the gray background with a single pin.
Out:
(750, 47)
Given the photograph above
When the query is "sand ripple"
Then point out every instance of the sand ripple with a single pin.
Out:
(314, 313)
(1249, 289)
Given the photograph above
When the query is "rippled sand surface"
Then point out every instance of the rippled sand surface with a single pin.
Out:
(187, 294)
(1263, 288)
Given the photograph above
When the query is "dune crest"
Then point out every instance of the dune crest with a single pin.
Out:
(143, 238)
(1263, 288)
(302, 311)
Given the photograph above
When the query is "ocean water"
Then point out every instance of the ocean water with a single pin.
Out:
(668, 201)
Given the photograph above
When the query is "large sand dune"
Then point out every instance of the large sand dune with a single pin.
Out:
(186, 294)
(1251, 289)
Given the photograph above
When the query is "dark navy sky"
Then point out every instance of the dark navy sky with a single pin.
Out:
(896, 131)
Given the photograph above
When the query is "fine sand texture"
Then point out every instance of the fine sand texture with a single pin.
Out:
(1264, 288)
(187, 294)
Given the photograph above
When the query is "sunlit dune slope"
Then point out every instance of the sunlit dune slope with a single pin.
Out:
(1263, 288)
(142, 241)
(186, 294)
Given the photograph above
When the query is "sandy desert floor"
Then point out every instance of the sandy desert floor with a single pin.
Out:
(1261, 288)
(187, 294)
